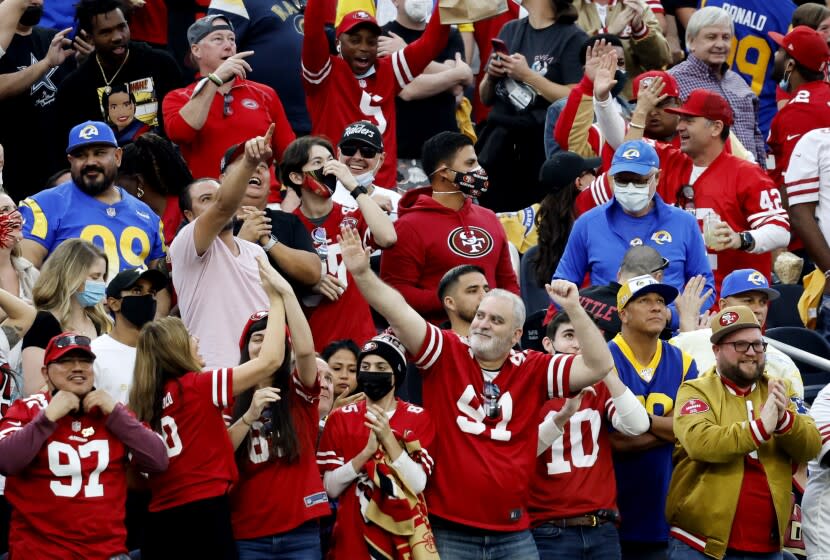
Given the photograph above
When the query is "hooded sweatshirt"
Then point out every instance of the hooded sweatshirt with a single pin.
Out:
(433, 239)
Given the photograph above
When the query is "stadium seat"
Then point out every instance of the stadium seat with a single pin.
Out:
(810, 341)
(534, 295)
(783, 312)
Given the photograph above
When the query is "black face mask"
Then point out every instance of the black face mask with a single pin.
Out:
(138, 310)
(375, 384)
(31, 16)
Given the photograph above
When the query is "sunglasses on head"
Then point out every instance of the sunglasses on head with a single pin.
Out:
(351, 149)
(72, 340)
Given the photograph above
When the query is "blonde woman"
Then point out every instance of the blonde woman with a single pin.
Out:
(69, 296)
(190, 514)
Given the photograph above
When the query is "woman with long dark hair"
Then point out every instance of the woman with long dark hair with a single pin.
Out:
(275, 435)
(190, 509)
(564, 175)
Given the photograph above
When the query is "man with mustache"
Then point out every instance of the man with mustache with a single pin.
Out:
(31, 71)
(740, 435)
(91, 206)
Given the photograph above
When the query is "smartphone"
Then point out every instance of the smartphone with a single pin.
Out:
(500, 47)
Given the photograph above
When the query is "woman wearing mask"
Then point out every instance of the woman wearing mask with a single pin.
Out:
(190, 513)
(275, 436)
(69, 296)
(376, 451)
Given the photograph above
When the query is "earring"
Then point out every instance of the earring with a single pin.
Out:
(139, 192)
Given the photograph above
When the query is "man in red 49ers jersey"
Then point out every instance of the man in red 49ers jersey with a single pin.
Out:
(65, 455)
(356, 85)
(336, 309)
(485, 397)
(573, 496)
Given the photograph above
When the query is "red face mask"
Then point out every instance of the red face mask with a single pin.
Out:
(319, 184)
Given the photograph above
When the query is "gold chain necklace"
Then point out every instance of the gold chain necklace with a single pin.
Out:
(108, 88)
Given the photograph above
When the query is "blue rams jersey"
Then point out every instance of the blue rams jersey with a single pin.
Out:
(129, 232)
(643, 476)
(753, 50)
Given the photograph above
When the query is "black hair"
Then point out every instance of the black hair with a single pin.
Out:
(553, 326)
(296, 156)
(610, 38)
(442, 148)
(185, 200)
(806, 73)
(52, 181)
(283, 440)
(452, 277)
(86, 10)
(554, 222)
(159, 163)
(343, 344)
(565, 11)
(724, 134)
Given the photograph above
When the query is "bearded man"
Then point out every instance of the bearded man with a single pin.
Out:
(91, 206)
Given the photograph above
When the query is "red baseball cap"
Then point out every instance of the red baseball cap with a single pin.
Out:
(64, 343)
(356, 18)
(805, 45)
(707, 104)
(644, 80)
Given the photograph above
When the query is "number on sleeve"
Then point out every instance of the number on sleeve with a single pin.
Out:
(171, 436)
(65, 462)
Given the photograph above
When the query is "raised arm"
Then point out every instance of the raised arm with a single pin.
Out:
(15, 83)
(595, 361)
(409, 327)
(383, 231)
(230, 193)
(301, 339)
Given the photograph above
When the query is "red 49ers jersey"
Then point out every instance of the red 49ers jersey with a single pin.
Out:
(337, 98)
(349, 316)
(344, 436)
(575, 475)
(485, 464)
(69, 502)
(298, 484)
(200, 451)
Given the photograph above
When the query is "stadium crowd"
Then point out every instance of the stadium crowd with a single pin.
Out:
(414, 279)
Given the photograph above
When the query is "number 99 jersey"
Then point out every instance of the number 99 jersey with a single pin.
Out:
(129, 232)
(69, 502)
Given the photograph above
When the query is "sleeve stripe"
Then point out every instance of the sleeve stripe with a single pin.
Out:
(224, 387)
(338, 462)
(433, 350)
(550, 377)
(8, 431)
(598, 191)
(786, 423)
(311, 74)
(807, 180)
(323, 74)
(783, 221)
(759, 215)
(213, 391)
(401, 68)
(803, 199)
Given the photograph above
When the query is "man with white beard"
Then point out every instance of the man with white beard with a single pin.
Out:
(487, 397)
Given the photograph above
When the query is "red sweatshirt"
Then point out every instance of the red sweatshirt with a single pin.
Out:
(433, 239)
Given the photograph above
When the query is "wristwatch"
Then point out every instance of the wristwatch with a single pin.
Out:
(359, 190)
(271, 242)
(747, 241)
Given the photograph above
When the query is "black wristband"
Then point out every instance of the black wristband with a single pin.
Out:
(359, 190)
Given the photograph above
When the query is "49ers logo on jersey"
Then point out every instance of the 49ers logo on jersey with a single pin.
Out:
(470, 241)
(693, 406)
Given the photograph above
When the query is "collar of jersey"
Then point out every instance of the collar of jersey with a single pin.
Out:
(629, 354)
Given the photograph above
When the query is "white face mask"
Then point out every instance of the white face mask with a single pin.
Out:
(366, 179)
(631, 197)
(418, 10)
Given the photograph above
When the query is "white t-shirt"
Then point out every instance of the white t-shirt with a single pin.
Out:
(807, 178)
(217, 293)
(113, 366)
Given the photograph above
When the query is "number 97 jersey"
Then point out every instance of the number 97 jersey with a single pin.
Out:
(69, 502)
(129, 232)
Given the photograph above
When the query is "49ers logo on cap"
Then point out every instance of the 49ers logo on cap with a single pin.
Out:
(369, 346)
(471, 241)
(361, 15)
(728, 318)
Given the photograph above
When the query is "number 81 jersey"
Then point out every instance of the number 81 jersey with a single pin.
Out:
(129, 232)
(69, 502)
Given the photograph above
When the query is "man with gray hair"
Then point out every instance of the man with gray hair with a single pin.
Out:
(487, 397)
(709, 40)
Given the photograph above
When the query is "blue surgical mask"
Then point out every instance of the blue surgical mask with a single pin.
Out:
(92, 293)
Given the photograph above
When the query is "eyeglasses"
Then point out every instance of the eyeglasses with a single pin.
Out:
(227, 110)
(686, 198)
(366, 151)
(742, 346)
(663, 266)
(72, 340)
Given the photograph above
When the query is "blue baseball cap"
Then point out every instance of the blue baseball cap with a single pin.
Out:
(89, 133)
(746, 280)
(634, 156)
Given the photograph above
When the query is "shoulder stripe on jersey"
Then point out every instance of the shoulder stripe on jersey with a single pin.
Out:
(401, 59)
(9, 431)
(801, 182)
(40, 225)
(426, 461)
(555, 379)
(220, 383)
(317, 77)
(433, 349)
(598, 190)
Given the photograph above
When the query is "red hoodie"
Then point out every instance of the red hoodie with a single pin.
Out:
(433, 239)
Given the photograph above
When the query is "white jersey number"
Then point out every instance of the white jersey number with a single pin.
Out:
(258, 451)
(65, 462)
(579, 458)
(170, 435)
(471, 420)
